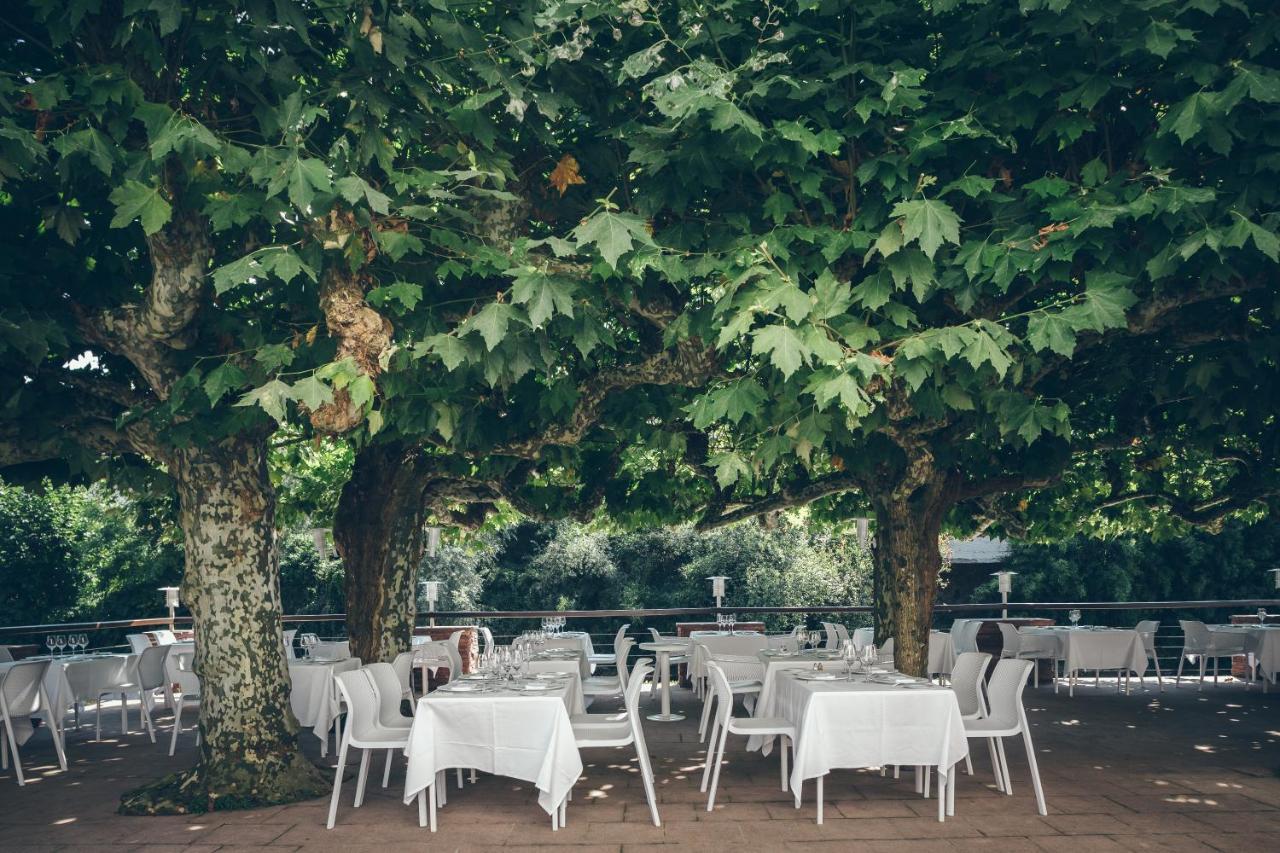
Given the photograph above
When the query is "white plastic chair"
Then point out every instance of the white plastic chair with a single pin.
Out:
(726, 724)
(151, 677)
(964, 635)
(1147, 629)
(842, 634)
(968, 682)
(745, 674)
(138, 643)
(1011, 647)
(22, 693)
(607, 659)
(1199, 642)
(386, 681)
(365, 730)
(832, 639)
(5, 656)
(178, 670)
(106, 677)
(1006, 719)
(885, 653)
(489, 644)
(611, 685)
(287, 638)
(863, 637)
(403, 668)
(613, 730)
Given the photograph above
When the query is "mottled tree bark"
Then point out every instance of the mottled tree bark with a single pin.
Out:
(907, 563)
(249, 752)
(378, 533)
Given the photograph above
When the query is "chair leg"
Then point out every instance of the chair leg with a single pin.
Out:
(1004, 767)
(711, 754)
(177, 725)
(968, 763)
(97, 721)
(386, 769)
(124, 714)
(715, 775)
(646, 776)
(1035, 769)
(706, 715)
(1200, 686)
(337, 784)
(147, 722)
(1177, 679)
(55, 729)
(995, 764)
(4, 748)
(13, 747)
(460, 783)
(363, 777)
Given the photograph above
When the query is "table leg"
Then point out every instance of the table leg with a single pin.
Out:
(664, 674)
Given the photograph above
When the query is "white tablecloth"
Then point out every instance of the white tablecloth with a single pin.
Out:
(314, 695)
(1261, 642)
(704, 646)
(572, 639)
(523, 736)
(332, 650)
(1085, 649)
(433, 654)
(857, 724)
(561, 660)
(774, 664)
(942, 654)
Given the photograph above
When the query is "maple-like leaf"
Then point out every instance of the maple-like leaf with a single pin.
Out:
(566, 174)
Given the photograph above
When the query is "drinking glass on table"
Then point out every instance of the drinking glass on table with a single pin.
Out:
(869, 656)
(850, 655)
(84, 642)
(1262, 615)
(49, 640)
(1074, 616)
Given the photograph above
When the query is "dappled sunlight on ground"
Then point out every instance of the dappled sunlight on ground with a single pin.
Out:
(1178, 770)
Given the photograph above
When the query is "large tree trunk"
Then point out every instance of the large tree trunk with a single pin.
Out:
(378, 533)
(249, 752)
(907, 563)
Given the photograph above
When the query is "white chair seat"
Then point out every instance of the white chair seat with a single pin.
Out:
(990, 727)
(598, 684)
(746, 686)
(585, 720)
(761, 726)
(597, 734)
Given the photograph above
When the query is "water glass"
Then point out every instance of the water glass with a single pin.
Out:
(61, 642)
(50, 641)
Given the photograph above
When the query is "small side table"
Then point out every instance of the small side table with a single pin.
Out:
(664, 652)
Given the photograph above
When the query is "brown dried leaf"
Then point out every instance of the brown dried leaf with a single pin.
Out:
(565, 174)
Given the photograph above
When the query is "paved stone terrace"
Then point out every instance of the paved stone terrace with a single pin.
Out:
(1180, 771)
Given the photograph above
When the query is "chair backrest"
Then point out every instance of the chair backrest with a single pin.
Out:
(1195, 634)
(179, 669)
(967, 678)
(287, 638)
(164, 637)
(723, 692)
(829, 634)
(622, 632)
(635, 682)
(1147, 629)
(885, 652)
(1010, 640)
(964, 635)
(863, 637)
(151, 667)
(387, 685)
(657, 638)
(620, 654)
(87, 677)
(138, 643)
(488, 639)
(20, 687)
(403, 666)
(5, 657)
(359, 694)
(456, 639)
(842, 633)
(1004, 691)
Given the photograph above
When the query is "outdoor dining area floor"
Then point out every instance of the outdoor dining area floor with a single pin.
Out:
(1178, 770)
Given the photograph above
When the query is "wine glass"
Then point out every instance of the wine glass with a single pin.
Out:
(1262, 615)
(84, 642)
(850, 654)
(1074, 616)
(61, 642)
(869, 656)
(49, 641)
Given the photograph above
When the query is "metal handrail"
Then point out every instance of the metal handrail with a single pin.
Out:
(666, 612)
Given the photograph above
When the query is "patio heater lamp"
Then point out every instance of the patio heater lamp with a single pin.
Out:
(171, 602)
(1275, 573)
(433, 587)
(717, 589)
(320, 540)
(1005, 582)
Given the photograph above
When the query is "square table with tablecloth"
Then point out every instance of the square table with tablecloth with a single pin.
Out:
(1260, 641)
(560, 660)
(523, 735)
(854, 724)
(705, 645)
(314, 695)
(1087, 649)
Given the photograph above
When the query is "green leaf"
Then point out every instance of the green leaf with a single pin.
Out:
(307, 177)
(840, 386)
(984, 348)
(929, 221)
(787, 352)
(912, 266)
(1189, 116)
(285, 264)
(136, 200)
(491, 323)
(543, 295)
(354, 188)
(451, 351)
(91, 143)
(1051, 331)
(1107, 297)
(890, 239)
(730, 467)
(223, 378)
(406, 293)
(971, 185)
(312, 393)
(270, 397)
(274, 356)
(613, 234)
(1093, 173)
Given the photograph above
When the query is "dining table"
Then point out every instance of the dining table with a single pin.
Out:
(518, 728)
(1261, 642)
(1087, 647)
(313, 694)
(870, 719)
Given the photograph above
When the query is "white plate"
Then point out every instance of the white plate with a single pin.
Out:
(535, 687)
(820, 676)
(460, 688)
